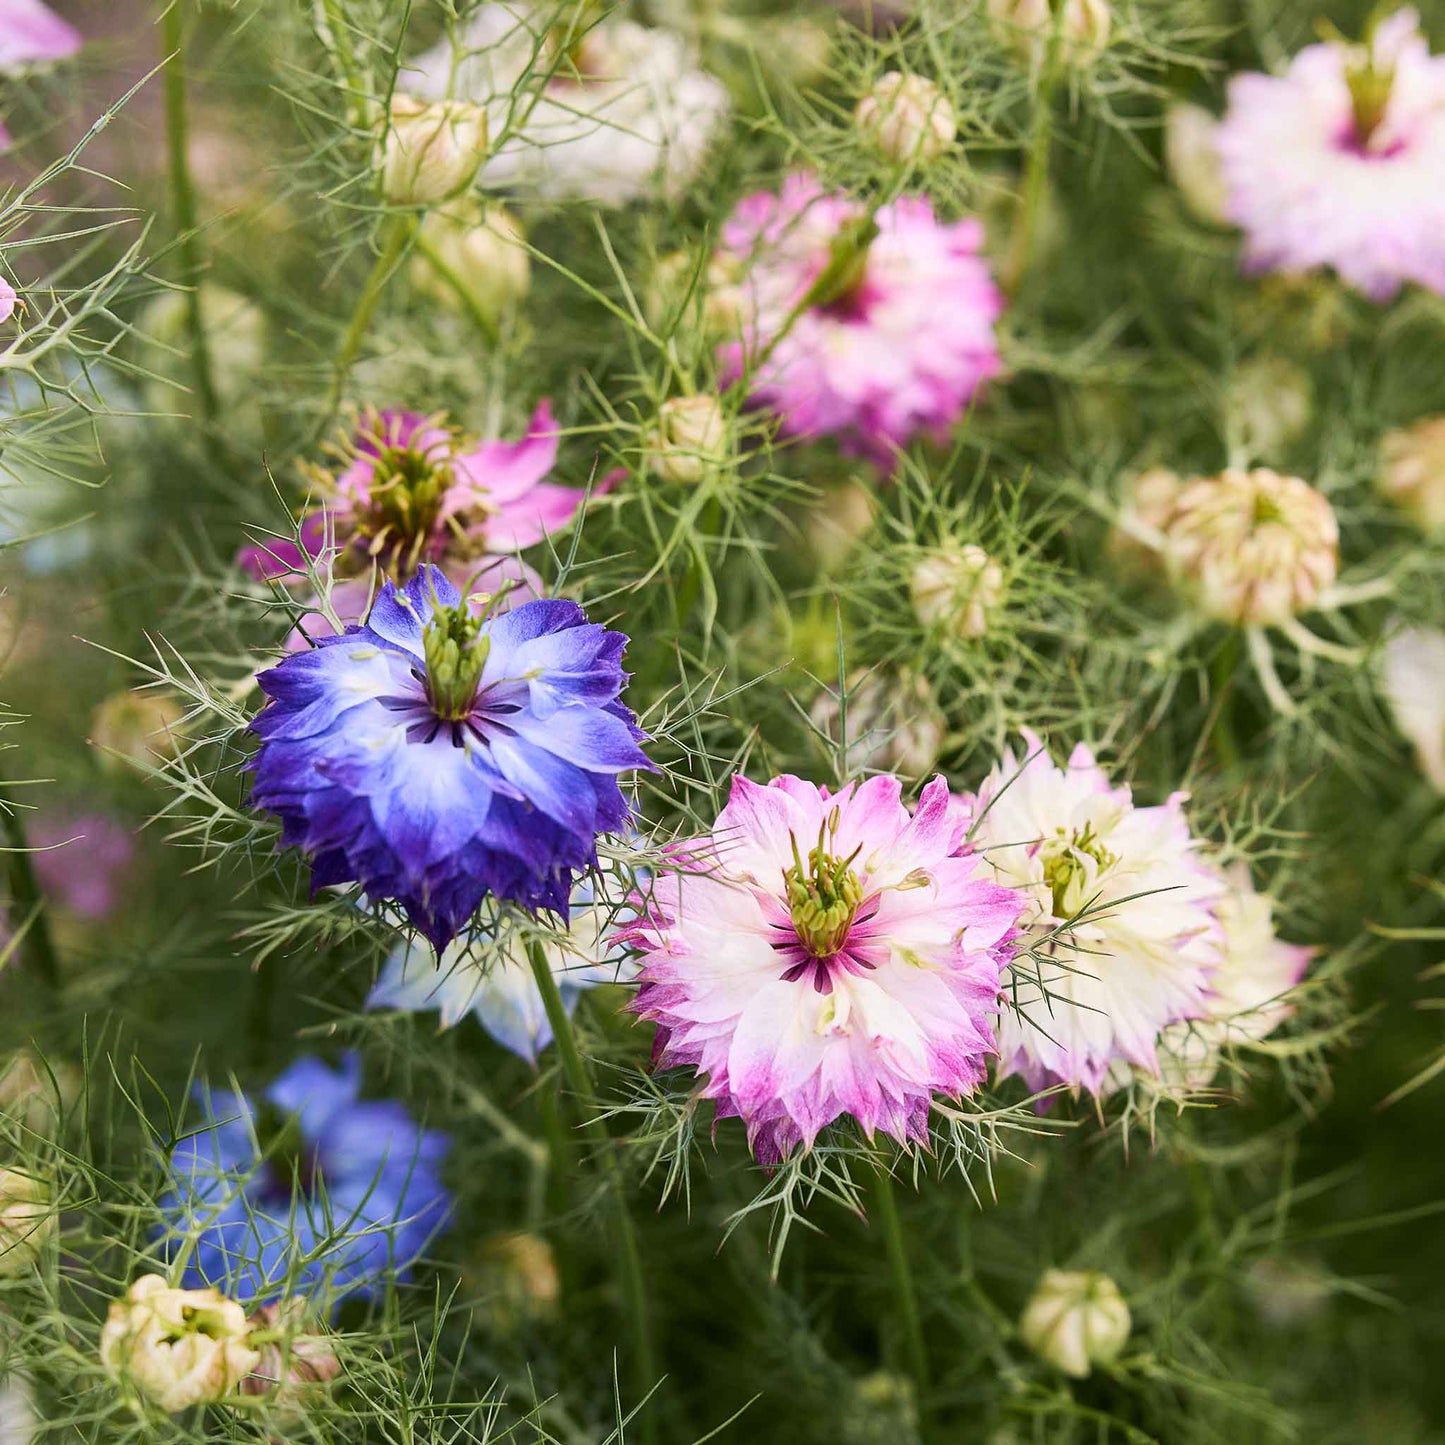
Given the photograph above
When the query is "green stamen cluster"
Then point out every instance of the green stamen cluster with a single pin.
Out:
(1066, 873)
(823, 894)
(455, 649)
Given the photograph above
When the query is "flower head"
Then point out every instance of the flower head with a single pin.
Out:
(429, 152)
(296, 1363)
(874, 329)
(1336, 163)
(27, 1219)
(956, 589)
(1028, 26)
(176, 1347)
(436, 757)
(1254, 548)
(825, 954)
(690, 441)
(481, 250)
(1076, 1320)
(310, 1190)
(495, 983)
(1412, 474)
(620, 111)
(1121, 914)
(907, 118)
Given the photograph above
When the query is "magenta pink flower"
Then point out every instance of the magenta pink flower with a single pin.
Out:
(1338, 161)
(826, 954)
(31, 34)
(897, 341)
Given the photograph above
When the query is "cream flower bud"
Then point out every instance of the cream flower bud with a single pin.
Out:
(1027, 25)
(957, 588)
(519, 1279)
(1192, 159)
(1412, 677)
(1413, 472)
(481, 250)
(906, 118)
(27, 1220)
(894, 722)
(35, 1094)
(690, 439)
(1254, 548)
(429, 151)
(176, 1347)
(1076, 1320)
(296, 1364)
(1270, 400)
(137, 727)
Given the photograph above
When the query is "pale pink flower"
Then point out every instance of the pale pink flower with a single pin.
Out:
(901, 337)
(1337, 162)
(1121, 916)
(826, 954)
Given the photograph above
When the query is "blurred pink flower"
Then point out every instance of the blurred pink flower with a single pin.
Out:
(893, 344)
(81, 860)
(30, 34)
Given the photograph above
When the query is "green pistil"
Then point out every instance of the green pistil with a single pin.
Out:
(1067, 874)
(455, 649)
(1370, 82)
(823, 894)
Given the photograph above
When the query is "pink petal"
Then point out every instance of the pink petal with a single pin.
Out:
(32, 32)
(506, 471)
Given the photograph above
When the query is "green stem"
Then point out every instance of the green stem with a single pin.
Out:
(904, 1294)
(26, 898)
(183, 206)
(1036, 167)
(396, 235)
(629, 1259)
(1221, 682)
(260, 1011)
(483, 322)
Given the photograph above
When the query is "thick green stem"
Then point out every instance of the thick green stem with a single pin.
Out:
(26, 900)
(905, 1297)
(628, 1259)
(396, 236)
(1036, 167)
(183, 206)
(1221, 680)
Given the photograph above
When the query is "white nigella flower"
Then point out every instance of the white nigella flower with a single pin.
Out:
(1412, 675)
(493, 980)
(1248, 993)
(620, 113)
(1076, 1320)
(1121, 917)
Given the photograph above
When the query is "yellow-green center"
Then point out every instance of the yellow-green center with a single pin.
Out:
(1067, 874)
(455, 649)
(823, 894)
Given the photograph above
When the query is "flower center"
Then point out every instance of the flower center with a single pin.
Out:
(839, 285)
(1072, 863)
(455, 649)
(823, 894)
(404, 502)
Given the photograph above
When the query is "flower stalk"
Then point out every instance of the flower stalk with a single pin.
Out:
(905, 1295)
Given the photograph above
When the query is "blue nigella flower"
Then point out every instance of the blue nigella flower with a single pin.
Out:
(435, 755)
(492, 978)
(341, 1196)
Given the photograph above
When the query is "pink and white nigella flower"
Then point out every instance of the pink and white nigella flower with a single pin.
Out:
(826, 954)
(1121, 916)
(1338, 161)
(872, 341)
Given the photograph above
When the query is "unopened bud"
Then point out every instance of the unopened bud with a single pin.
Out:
(1254, 548)
(478, 250)
(519, 1278)
(690, 440)
(176, 1347)
(1192, 158)
(1412, 473)
(683, 291)
(1076, 1321)
(1028, 25)
(957, 588)
(137, 727)
(27, 1220)
(296, 1362)
(429, 151)
(907, 118)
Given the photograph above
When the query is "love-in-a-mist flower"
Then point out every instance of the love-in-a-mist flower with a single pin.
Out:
(429, 152)
(1076, 1319)
(310, 1191)
(1248, 993)
(1121, 915)
(956, 589)
(906, 118)
(436, 756)
(822, 955)
(31, 33)
(1337, 162)
(1254, 548)
(608, 112)
(492, 978)
(874, 329)
(1412, 677)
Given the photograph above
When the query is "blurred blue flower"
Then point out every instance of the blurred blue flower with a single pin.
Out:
(436, 755)
(312, 1191)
